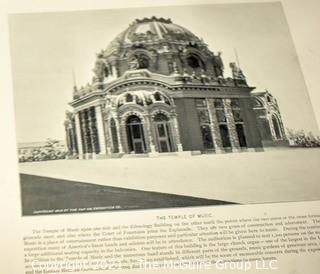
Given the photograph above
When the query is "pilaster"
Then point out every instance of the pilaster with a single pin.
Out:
(79, 135)
(90, 128)
(149, 134)
(177, 133)
(118, 134)
(214, 127)
(100, 129)
(85, 135)
(231, 125)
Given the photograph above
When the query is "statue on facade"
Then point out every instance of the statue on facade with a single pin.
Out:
(134, 63)
(76, 93)
(218, 64)
(111, 100)
(69, 115)
(175, 70)
(237, 72)
(87, 89)
(99, 67)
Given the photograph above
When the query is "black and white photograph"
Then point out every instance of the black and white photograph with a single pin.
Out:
(161, 107)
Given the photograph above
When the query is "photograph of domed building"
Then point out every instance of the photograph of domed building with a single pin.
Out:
(158, 88)
(160, 107)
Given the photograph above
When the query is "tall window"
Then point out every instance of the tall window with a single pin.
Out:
(129, 98)
(204, 120)
(135, 134)
(143, 61)
(157, 96)
(193, 61)
(163, 133)
(239, 124)
(276, 127)
(222, 121)
(225, 138)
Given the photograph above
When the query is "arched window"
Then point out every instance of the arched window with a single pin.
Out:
(135, 134)
(163, 133)
(160, 117)
(133, 119)
(157, 96)
(129, 98)
(143, 61)
(193, 61)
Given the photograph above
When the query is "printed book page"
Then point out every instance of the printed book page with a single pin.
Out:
(172, 137)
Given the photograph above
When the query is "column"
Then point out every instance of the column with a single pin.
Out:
(79, 135)
(85, 133)
(74, 137)
(100, 129)
(149, 134)
(90, 128)
(231, 125)
(177, 133)
(73, 144)
(109, 141)
(214, 125)
(67, 132)
(118, 134)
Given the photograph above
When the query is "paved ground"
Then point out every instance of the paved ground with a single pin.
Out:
(42, 195)
(248, 177)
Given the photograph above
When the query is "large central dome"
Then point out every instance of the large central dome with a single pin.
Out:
(160, 47)
(149, 31)
(155, 29)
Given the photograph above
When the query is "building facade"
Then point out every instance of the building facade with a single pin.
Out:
(270, 124)
(157, 88)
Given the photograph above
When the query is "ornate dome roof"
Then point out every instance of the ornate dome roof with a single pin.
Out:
(159, 46)
(151, 30)
(159, 49)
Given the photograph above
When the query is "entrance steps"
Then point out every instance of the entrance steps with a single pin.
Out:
(135, 155)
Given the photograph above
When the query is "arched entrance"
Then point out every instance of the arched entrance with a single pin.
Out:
(163, 133)
(136, 140)
(276, 127)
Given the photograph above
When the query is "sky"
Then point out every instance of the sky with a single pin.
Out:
(47, 47)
